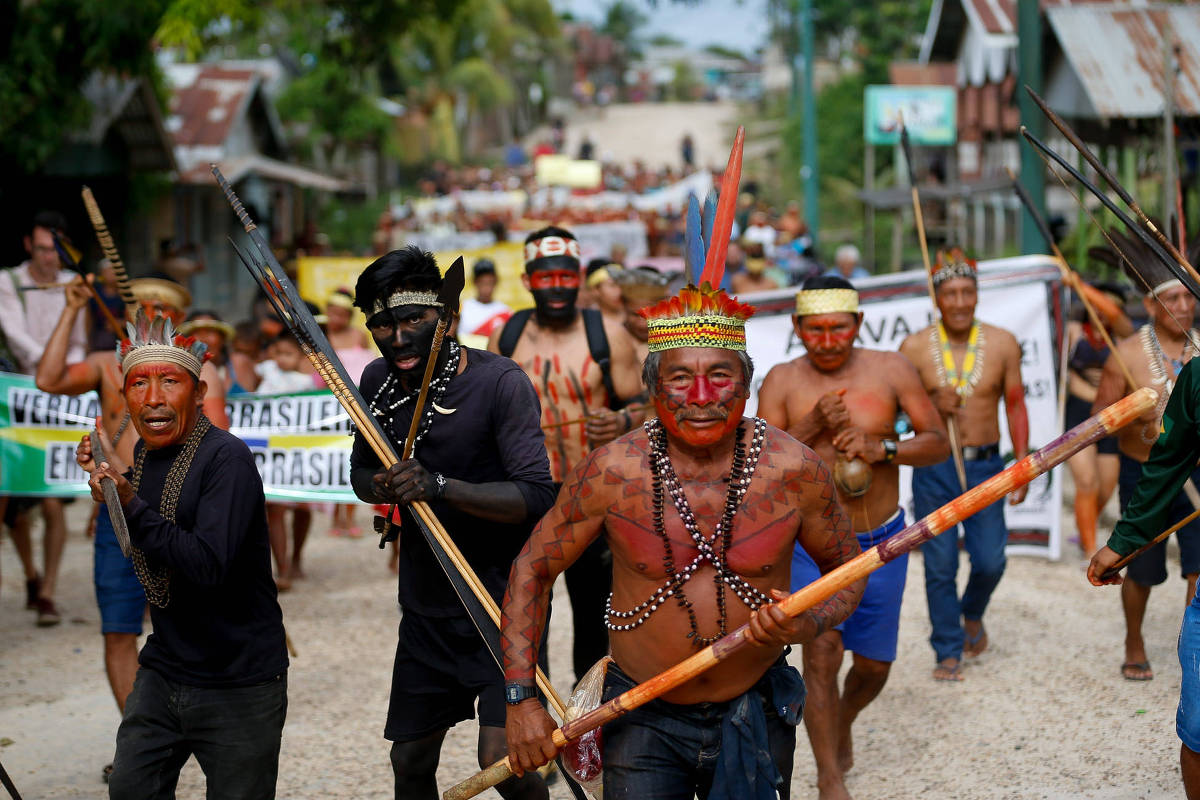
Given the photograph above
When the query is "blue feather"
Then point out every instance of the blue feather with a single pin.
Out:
(693, 243)
(710, 213)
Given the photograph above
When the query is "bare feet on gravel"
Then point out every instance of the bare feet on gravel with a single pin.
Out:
(948, 669)
(975, 640)
(832, 787)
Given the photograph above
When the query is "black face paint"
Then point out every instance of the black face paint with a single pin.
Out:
(404, 336)
(555, 305)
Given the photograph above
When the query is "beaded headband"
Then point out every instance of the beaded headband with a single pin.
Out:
(155, 341)
(549, 246)
(952, 264)
(826, 301)
(405, 297)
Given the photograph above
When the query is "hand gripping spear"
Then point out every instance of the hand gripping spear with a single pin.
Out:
(282, 294)
(1110, 419)
(951, 423)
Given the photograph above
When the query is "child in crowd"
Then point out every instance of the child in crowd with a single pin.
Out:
(281, 373)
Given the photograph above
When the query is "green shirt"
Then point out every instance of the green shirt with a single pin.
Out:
(1171, 461)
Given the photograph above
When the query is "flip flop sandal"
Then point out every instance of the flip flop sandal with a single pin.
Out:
(1140, 666)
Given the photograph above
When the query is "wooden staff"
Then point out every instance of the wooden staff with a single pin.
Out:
(960, 468)
(1117, 415)
(1112, 571)
(452, 286)
(110, 251)
(1111, 180)
(1071, 277)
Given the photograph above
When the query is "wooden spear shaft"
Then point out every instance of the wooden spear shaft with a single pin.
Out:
(109, 248)
(1112, 571)
(1116, 416)
(960, 468)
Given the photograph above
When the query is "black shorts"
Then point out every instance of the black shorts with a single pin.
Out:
(1150, 568)
(442, 668)
(1077, 411)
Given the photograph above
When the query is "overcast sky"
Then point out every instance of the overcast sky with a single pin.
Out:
(740, 25)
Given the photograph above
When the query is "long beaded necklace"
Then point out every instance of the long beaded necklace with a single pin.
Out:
(437, 390)
(963, 380)
(712, 550)
(1155, 357)
(156, 579)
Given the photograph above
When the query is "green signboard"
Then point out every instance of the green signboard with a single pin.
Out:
(929, 113)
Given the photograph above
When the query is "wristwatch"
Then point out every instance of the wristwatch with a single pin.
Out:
(515, 693)
(440, 480)
(890, 447)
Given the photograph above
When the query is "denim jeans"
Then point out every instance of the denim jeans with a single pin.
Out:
(985, 538)
(667, 751)
(234, 734)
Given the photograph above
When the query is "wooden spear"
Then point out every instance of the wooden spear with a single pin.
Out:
(951, 423)
(1117, 415)
(1112, 571)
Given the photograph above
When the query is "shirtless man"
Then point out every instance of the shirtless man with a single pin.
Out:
(119, 594)
(967, 367)
(552, 346)
(1155, 356)
(640, 287)
(843, 401)
(664, 605)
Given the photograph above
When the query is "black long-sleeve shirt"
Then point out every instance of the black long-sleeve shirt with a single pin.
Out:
(494, 434)
(222, 626)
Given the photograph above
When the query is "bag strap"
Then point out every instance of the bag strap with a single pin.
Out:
(593, 327)
(512, 331)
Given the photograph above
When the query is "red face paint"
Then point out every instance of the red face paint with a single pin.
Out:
(828, 338)
(553, 279)
(163, 401)
(701, 394)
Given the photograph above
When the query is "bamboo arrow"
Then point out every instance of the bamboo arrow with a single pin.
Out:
(1088, 432)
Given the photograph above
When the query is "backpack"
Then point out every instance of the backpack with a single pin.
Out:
(593, 328)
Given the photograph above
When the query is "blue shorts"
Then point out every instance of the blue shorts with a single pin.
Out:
(872, 630)
(119, 593)
(1187, 718)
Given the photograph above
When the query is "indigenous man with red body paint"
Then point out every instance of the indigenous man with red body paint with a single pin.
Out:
(212, 680)
(843, 401)
(968, 368)
(583, 366)
(702, 509)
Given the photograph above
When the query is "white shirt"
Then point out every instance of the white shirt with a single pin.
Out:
(277, 381)
(764, 235)
(480, 319)
(29, 315)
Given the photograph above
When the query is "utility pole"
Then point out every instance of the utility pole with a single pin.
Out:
(1029, 57)
(809, 171)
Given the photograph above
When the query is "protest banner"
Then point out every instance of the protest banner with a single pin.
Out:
(300, 442)
(1021, 295)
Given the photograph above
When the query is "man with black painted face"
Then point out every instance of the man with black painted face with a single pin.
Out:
(842, 401)
(480, 462)
(584, 368)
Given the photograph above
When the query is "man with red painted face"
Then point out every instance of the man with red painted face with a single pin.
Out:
(584, 369)
(968, 368)
(842, 401)
(702, 509)
(119, 595)
(480, 462)
(212, 680)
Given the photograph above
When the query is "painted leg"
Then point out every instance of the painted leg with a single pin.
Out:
(414, 765)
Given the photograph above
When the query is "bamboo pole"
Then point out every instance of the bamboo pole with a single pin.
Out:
(990, 491)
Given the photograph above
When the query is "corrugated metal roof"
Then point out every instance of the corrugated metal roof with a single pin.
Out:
(1116, 52)
(206, 110)
(235, 169)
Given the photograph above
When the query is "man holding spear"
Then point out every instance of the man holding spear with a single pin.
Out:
(691, 568)
(481, 464)
(968, 368)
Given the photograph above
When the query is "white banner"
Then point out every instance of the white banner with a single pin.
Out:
(1014, 294)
